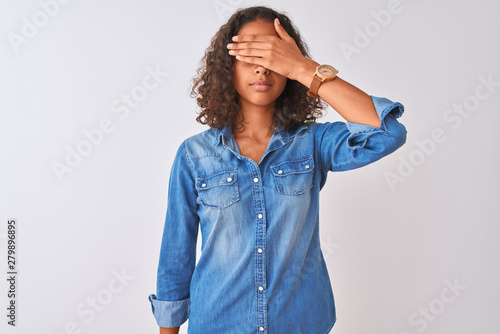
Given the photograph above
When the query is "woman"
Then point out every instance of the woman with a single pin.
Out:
(251, 183)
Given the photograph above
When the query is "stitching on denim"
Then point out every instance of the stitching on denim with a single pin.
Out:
(279, 178)
(190, 163)
(385, 113)
(383, 127)
(219, 171)
(295, 193)
(394, 106)
(204, 155)
(331, 326)
(298, 159)
(301, 133)
(348, 161)
(320, 164)
(234, 184)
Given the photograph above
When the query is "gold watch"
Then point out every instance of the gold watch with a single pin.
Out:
(323, 73)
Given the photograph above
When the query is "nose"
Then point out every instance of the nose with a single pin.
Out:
(261, 70)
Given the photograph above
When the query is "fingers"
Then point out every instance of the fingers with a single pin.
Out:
(281, 31)
(252, 60)
(257, 48)
(249, 53)
(250, 49)
(253, 38)
(250, 45)
(263, 38)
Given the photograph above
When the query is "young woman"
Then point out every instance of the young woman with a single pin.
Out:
(251, 183)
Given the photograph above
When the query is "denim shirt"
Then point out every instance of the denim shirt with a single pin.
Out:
(261, 268)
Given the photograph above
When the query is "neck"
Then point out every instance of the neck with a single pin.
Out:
(257, 122)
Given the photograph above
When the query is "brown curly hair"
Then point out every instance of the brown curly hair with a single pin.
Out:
(218, 98)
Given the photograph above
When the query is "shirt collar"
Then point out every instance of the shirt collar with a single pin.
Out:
(222, 135)
(225, 133)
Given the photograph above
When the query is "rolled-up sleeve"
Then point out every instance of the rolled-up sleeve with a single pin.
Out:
(169, 313)
(171, 303)
(346, 145)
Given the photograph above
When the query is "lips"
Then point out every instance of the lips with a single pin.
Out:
(261, 86)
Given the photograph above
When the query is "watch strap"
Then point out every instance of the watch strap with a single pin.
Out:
(313, 90)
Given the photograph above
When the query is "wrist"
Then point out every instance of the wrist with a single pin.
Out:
(305, 72)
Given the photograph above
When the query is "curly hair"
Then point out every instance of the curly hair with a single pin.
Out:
(213, 84)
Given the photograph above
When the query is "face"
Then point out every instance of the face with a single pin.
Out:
(247, 75)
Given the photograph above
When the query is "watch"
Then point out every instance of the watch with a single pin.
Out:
(323, 73)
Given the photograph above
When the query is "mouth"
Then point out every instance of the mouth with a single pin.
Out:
(261, 86)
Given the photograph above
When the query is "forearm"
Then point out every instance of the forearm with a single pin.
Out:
(350, 102)
(173, 330)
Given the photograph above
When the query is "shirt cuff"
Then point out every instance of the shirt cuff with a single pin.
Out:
(170, 313)
(360, 132)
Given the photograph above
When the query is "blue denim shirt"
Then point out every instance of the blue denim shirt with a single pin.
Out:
(261, 269)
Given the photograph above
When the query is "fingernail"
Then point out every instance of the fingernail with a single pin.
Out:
(235, 38)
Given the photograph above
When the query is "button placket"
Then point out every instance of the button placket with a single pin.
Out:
(260, 243)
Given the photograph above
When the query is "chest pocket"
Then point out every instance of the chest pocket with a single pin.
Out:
(294, 177)
(218, 190)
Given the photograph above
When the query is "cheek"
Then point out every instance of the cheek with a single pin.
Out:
(282, 84)
(239, 74)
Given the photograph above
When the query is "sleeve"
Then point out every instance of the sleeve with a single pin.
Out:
(171, 304)
(346, 146)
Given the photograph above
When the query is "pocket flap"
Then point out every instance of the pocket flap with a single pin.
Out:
(304, 165)
(225, 178)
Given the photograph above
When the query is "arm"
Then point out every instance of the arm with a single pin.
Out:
(350, 102)
(172, 330)
(282, 55)
(345, 146)
(171, 304)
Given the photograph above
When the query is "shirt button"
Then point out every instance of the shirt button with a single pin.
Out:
(261, 329)
(261, 288)
(255, 180)
(307, 166)
(229, 179)
(238, 157)
(203, 185)
(259, 250)
(260, 216)
(280, 172)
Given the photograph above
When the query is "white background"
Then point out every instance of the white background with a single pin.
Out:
(389, 249)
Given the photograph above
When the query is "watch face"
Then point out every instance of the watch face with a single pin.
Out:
(326, 70)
